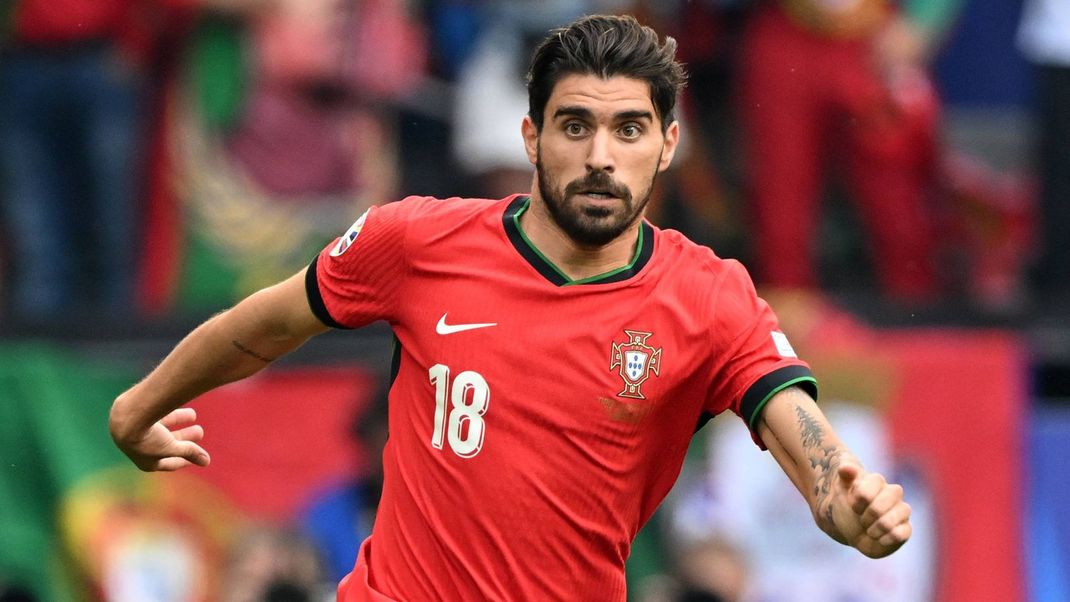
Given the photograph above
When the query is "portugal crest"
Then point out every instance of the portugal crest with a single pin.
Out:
(636, 360)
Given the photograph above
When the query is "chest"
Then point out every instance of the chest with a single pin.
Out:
(593, 360)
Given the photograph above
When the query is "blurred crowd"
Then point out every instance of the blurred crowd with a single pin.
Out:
(158, 156)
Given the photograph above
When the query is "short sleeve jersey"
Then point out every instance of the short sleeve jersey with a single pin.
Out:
(537, 422)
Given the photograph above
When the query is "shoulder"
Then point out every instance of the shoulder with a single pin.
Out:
(697, 264)
(718, 292)
(424, 216)
(416, 208)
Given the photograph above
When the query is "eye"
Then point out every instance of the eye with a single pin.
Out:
(574, 128)
(630, 131)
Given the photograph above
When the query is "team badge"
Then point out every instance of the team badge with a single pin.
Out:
(351, 234)
(635, 360)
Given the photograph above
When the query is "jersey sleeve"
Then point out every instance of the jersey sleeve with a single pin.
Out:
(357, 278)
(757, 360)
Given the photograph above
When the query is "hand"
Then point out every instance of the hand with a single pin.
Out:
(167, 445)
(869, 512)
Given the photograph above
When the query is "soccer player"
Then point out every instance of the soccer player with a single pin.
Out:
(556, 354)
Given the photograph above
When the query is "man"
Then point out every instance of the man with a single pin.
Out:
(556, 353)
(72, 84)
(1044, 39)
(843, 84)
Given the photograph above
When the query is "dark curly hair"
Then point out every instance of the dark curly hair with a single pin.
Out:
(606, 46)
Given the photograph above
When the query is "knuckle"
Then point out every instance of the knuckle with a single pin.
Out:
(886, 523)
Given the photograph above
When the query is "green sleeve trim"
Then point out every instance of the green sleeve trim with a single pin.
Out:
(761, 404)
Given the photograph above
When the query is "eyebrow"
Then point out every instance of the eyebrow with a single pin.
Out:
(585, 113)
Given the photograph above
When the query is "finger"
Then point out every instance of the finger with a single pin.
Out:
(864, 491)
(897, 536)
(190, 433)
(887, 498)
(179, 417)
(192, 452)
(875, 549)
(171, 464)
(888, 521)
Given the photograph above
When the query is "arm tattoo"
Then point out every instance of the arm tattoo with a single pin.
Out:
(824, 460)
(811, 430)
(247, 351)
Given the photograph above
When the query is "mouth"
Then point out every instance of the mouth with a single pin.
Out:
(602, 195)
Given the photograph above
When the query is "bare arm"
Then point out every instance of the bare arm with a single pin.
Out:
(146, 422)
(854, 507)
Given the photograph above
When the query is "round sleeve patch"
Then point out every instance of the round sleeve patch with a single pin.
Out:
(347, 239)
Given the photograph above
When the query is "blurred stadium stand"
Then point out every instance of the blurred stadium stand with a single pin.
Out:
(57, 378)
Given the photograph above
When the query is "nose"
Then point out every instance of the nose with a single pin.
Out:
(599, 154)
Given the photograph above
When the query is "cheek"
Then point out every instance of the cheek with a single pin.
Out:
(641, 167)
(561, 164)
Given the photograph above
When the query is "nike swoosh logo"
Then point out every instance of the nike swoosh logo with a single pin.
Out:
(443, 328)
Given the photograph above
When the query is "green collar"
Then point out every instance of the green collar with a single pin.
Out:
(511, 219)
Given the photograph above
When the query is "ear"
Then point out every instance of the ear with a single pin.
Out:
(531, 138)
(672, 139)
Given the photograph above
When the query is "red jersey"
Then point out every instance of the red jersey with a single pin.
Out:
(536, 422)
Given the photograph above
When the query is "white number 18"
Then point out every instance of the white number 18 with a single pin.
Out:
(470, 397)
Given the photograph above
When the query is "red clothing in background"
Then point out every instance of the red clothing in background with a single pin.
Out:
(808, 101)
(48, 22)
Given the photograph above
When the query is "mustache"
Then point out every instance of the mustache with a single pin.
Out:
(598, 180)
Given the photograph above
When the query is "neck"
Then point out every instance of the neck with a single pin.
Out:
(576, 261)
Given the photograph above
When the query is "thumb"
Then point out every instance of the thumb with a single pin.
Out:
(847, 473)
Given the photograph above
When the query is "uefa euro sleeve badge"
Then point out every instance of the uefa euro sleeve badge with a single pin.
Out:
(635, 360)
(351, 235)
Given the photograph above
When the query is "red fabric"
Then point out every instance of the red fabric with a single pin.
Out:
(959, 414)
(537, 491)
(356, 586)
(276, 437)
(807, 101)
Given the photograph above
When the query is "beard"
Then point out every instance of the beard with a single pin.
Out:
(592, 225)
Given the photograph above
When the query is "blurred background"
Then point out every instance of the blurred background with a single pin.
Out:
(896, 176)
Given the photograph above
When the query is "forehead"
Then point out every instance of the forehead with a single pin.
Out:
(602, 96)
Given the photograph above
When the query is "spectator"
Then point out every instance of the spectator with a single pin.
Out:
(491, 97)
(70, 156)
(1044, 38)
(823, 81)
(712, 570)
(273, 564)
(313, 141)
(318, 120)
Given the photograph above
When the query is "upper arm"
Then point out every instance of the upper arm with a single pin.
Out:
(283, 310)
(359, 278)
(754, 361)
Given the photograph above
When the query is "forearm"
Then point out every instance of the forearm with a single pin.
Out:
(810, 456)
(228, 347)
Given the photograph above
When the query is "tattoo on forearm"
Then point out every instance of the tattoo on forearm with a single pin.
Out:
(248, 351)
(824, 459)
(811, 430)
